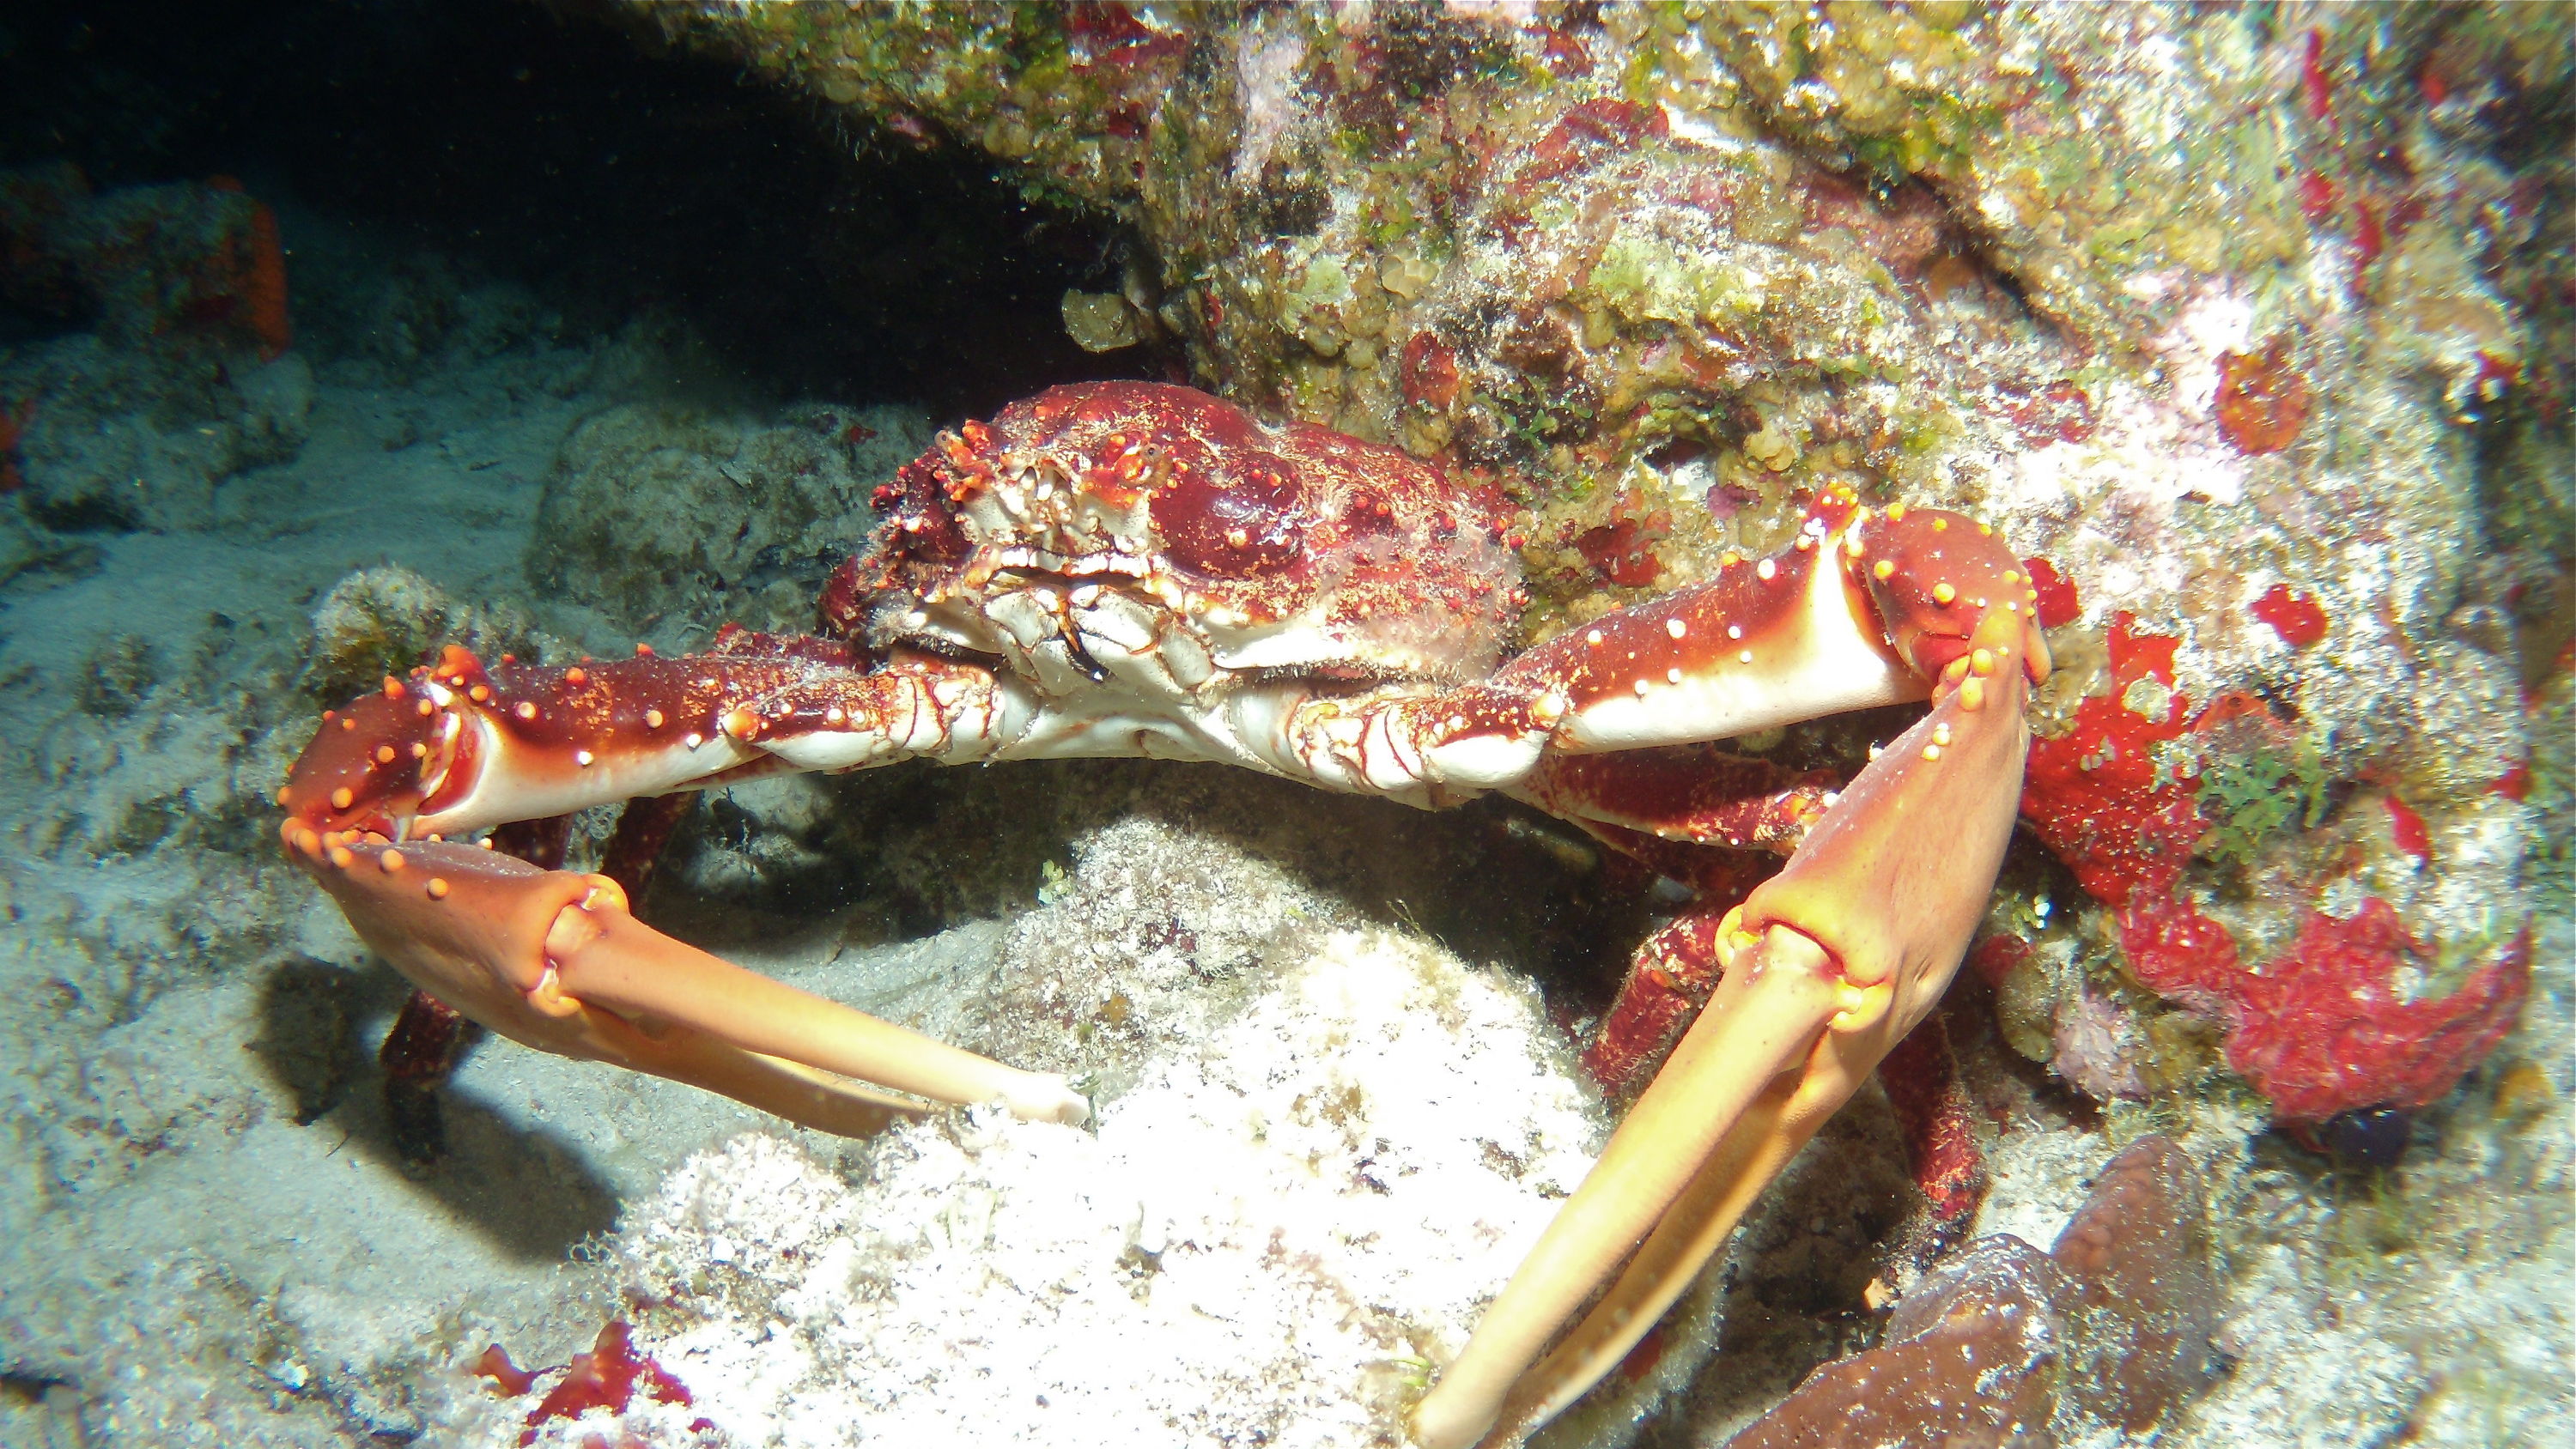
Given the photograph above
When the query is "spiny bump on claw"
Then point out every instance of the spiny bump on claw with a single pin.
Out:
(393, 687)
(390, 861)
(438, 888)
(652, 719)
(741, 723)
(1882, 570)
(341, 857)
(343, 798)
(1972, 695)
(1942, 593)
(527, 709)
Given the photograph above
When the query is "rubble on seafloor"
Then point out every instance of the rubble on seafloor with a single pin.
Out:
(1271, 1233)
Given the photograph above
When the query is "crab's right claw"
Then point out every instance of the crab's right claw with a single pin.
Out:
(554, 959)
(1825, 967)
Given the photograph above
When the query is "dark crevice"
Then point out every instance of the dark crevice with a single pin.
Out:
(542, 147)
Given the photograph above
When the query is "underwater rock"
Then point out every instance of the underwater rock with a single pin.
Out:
(2142, 1298)
(2113, 1327)
(1969, 1359)
(1268, 1227)
(169, 266)
(1657, 276)
(666, 516)
(381, 621)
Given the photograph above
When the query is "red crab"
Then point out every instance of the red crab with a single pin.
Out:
(1120, 569)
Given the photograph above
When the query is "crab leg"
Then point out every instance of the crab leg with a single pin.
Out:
(458, 747)
(1767, 642)
(555, 960)
(1825, 966)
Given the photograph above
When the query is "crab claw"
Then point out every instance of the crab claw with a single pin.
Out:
(457, 747)
(553, 959)
(374, 763)
(1825, 967)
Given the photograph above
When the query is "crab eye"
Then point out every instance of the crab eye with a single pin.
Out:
(1249, 519)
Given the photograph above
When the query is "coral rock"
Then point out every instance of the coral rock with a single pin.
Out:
(2262, 400)
(604, 1378)
(2142, 1301)
(1967, 1362)
(2012, 1346)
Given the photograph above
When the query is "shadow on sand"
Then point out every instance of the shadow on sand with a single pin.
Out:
(527, 1191)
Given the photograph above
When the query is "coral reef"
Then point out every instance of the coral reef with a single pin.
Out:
(2238, 321)
(2250, 325)
(2130, 284)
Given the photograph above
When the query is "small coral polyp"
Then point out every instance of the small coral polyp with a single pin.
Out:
(1122, 569)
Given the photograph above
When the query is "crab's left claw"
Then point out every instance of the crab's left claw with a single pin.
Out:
(1825, 967)
(374, 762)
(553, 959)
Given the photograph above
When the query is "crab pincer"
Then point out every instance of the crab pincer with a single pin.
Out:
(555, 959)
(1823, 969)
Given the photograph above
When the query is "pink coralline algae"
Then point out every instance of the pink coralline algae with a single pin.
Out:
(2093, 794)
(2298, 618)
(2320, 1030)
(604, 1378)
(2324, 1030)
(2262, 400)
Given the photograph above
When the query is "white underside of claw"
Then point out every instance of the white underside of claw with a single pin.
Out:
(515, 783)
(1824, 658)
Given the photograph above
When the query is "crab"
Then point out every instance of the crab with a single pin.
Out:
(1132, 569)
